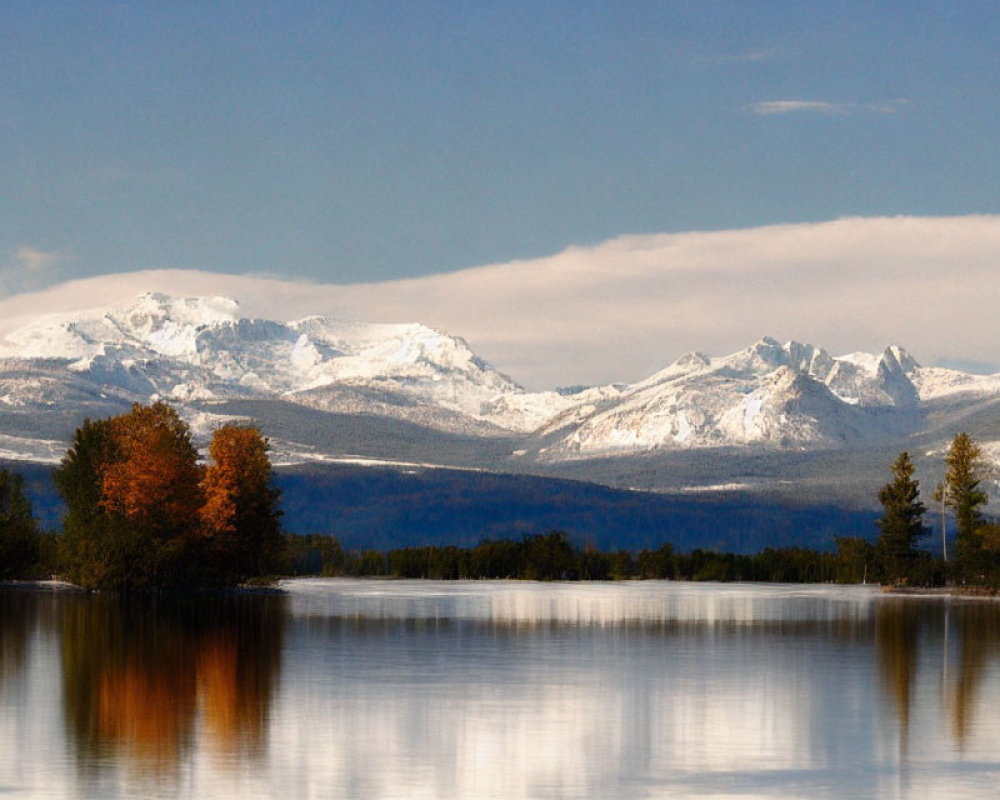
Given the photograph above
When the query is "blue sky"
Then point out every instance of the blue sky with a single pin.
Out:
(350, 142)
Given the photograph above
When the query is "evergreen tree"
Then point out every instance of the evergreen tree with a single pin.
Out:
(902, 523)
(19, 537)
(965, 497)
(92, 547)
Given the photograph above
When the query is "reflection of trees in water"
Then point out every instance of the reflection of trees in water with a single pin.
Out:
(978, 634)
(16, 622)
(904, 625)
(22, 613)
(897, 625)
(140, 673)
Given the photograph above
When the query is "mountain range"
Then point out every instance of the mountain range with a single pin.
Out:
(781, 419)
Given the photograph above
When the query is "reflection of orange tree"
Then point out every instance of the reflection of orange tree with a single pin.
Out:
(146, 708)
(235, 672)
(136, 673)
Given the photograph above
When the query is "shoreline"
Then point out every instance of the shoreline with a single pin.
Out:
(57, 586)
(962, 592)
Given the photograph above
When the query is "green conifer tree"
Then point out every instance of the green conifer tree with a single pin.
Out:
(965, 497)
(902, 523)
(18, 530)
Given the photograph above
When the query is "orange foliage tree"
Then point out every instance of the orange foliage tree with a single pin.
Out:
(155, 482)
(143, 512)
(240, 515)
(154, 485)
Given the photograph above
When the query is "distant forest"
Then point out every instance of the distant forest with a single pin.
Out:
(553, 557)
(142, 513)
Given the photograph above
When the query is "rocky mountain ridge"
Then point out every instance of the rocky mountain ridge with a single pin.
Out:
(337, 390)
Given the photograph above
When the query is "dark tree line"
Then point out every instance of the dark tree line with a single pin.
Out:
(552, 556)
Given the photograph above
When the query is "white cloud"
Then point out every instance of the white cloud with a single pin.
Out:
(772, 107)
(32, 259)
(26, 269)
(744, 57)
(622, 309)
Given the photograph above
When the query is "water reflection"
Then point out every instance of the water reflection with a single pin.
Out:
(404, 689)
(146, 680)
(18, 615)
(960, 639)
(978, 630)
(592, 604)
(897, 623)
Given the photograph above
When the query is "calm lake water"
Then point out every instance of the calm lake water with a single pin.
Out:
(372, 689)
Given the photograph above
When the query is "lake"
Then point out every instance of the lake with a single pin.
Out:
(408, 689)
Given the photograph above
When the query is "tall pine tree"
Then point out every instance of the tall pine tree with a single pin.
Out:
(965, 497)
(902, 523)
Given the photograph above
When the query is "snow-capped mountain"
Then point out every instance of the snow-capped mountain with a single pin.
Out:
(790, 395)
(199, 350)
(303, 378)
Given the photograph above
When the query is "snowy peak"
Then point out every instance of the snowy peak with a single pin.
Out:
(768, 355)
(200, 350)
(152, 322)
(169, 325)
(895, 357)
(773, 394)
(791, 408)
(893, 376)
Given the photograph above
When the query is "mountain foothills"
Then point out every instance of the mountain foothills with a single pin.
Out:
(786, 420)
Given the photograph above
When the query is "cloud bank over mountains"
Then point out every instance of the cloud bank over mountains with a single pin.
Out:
(618, 310)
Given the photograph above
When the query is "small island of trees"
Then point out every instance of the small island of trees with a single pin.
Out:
(142, 513)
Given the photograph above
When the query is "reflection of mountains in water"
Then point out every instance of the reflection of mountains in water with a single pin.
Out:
(684, 605)
(152, 683)
(141, 675)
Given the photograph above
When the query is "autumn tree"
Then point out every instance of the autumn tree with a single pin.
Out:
(240, 516)
(142, 512)
(902, 523)
(154, 485)
(965, 497)
(155, 480)
(132, 488)
(19, 537)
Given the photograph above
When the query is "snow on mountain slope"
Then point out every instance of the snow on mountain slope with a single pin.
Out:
(199, 349)
(196, 352)
(784, 395)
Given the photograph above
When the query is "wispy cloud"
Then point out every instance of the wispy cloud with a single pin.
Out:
(622, 309)
(745, 57)
(27, 268)
(771, 107)
(32, 259)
